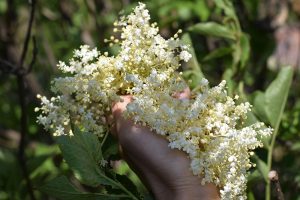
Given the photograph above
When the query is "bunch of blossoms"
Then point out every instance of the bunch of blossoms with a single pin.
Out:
(94, 81)
(206, 126)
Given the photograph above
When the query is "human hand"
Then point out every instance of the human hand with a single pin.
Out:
(165, 171)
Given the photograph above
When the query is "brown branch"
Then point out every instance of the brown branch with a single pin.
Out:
(34, 53)
(24, 132)
(273, 176)
(28, 32)
(22, 99)
(8, 67)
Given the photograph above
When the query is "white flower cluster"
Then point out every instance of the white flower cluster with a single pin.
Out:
(94, 81)
(207, 126)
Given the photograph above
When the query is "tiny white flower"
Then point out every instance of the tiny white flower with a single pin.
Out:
(186, 56)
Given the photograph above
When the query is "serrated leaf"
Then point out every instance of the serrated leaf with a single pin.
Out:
(61, 188)
(213, 29)
(82, 152)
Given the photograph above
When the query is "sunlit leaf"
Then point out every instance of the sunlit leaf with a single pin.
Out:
(82, 152)
(276, 95)
(270, 105)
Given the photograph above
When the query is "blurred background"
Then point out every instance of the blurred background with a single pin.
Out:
(246, 44)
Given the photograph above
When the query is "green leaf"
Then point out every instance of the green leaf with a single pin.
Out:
(217, 53)
(227, 6)
(254, 177)
(10, 174)
(193, 64)
(37, 161)
(124, 180)
(82, 152)
(193, 67)
(110, 148)
(259, 106)
(61, 188)
(245, 49)
(295, 147)
(250, 196)
(270, 105)
(251, 118)
(213, 29)
(202, 10)
(276, 95)
(262, 167)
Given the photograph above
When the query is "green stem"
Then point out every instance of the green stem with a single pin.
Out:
(104, 138)
(114, 183)
(111, 180)
(121, 187)
(269, 161)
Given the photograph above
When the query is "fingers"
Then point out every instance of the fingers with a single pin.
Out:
(185, 94)
(117, 109)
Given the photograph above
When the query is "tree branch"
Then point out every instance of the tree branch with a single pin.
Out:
(34, 53)
(28, 32)
(8, 67)
(22, 99)
(273, 176)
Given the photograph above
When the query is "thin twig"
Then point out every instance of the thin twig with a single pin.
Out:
(28, 32)
(34, 53)
(23, 103)
(8, 67)
(24, 132)
(273, 176)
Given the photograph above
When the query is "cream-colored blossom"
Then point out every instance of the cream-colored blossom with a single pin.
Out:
(206, 126)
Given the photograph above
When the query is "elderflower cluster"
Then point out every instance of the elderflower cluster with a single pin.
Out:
(207, 126)
(95, 80)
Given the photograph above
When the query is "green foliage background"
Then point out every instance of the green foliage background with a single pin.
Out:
(231, 40)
